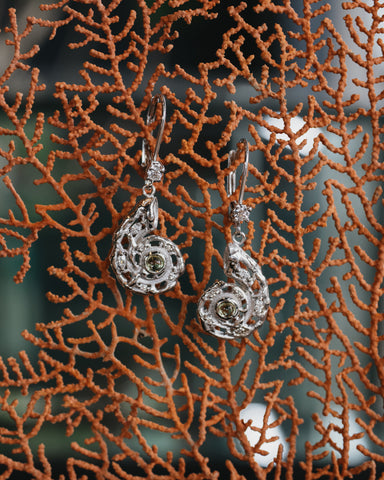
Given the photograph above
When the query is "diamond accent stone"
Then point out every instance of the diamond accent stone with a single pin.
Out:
(155, 171)
(239, 212)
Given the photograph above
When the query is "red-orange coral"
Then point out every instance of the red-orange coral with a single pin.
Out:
(131, 382)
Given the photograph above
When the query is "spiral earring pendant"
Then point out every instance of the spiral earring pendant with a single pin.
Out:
(231, 310)
(235, 310)
(144, 262)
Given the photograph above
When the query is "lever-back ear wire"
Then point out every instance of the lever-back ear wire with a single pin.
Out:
(238, 212)
(147, 156)
(154, 168)
(232, 157)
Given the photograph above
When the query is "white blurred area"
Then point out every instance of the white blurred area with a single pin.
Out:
(355, 431)
(256, 412)
(306, 140)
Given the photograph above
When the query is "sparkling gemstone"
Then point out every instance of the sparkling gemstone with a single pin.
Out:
(226, 309)
(154, 263)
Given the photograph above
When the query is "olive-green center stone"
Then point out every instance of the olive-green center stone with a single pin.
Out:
(154, 263)
(226, 309)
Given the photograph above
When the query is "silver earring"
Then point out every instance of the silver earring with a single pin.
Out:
(142, 262)
(233, 310)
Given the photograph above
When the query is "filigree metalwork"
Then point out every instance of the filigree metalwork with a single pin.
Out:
(229, 310)
(145, 263)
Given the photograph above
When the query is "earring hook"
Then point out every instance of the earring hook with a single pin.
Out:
(231, 182)
(147, 155)
(238, 211)
(154, 168)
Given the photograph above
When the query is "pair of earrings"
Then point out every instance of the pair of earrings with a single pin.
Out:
(147, 263)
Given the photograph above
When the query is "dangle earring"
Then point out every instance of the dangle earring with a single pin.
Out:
(233, 310)
(142, 262)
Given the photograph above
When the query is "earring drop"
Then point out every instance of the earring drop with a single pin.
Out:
(233, 310)
(142, 262)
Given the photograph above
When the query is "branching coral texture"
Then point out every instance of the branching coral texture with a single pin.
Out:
(136, 389)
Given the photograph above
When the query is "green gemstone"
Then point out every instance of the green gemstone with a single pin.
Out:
(154, 263)
(226, 309)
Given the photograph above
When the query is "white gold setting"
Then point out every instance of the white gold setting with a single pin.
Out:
(142, 262)
(145, 263)
(239, 212)
(250, 305)
(235, 310)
